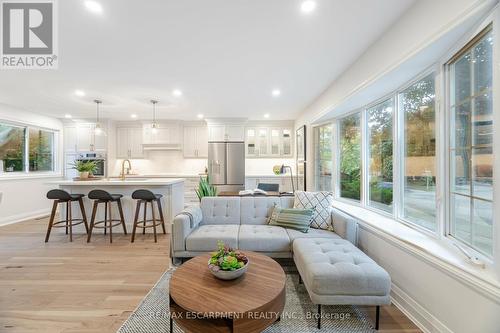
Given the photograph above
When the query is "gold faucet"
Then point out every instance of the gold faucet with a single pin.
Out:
(123, 168)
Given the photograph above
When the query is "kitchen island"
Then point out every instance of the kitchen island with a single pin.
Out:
(172, 201)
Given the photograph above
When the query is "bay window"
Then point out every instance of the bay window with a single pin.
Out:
(323, 141)
(350, 156)
(380, 152)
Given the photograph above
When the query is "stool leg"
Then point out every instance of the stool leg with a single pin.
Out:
(154, 219)
(92, 221)
(67, 216)
(70, 221)
(84, 216)
(122, 219)
(137, 209)
(377, 317)
(51, 221)
(145, 216)
(161, 216)
(319, 316)
(105, 217)
(110, 224)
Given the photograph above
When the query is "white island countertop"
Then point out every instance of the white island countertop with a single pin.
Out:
(118, 182)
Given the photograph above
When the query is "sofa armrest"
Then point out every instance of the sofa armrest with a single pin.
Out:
(345, 226)
(183, 224)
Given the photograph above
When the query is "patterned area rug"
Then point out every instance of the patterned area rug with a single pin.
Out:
(152, 314)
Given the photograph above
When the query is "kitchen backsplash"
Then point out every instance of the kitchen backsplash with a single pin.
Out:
(159, 162)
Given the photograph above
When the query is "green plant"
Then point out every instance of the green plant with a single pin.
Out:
(226, 259)
(84, 166)
(205, 189)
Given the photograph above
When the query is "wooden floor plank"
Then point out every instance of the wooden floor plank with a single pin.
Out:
(63, 287)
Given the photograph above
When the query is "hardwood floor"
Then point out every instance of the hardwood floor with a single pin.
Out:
(79, 287)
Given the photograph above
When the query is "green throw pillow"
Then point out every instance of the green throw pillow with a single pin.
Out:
(294, 218)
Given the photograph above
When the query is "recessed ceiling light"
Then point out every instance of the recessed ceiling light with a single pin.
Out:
(67, 116)
(177, 93)
(79, 92)
(266, 115)
(133, 116)
(200, 116)
(93, 6)
(276, 92)
(308, 6)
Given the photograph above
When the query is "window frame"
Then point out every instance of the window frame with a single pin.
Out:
(338, 154)
(491, 21)
(366, 152)
(332, 147)
(26, 172)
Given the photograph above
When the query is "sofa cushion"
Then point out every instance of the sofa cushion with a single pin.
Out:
(287, 201)
(205, 237)
(336, 267)
(263, 238)
(220, 210)
(293, 218)
(312, 233)
(322, 204)
(255, 210)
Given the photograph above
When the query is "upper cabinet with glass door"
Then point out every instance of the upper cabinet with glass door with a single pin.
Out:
(268, 142)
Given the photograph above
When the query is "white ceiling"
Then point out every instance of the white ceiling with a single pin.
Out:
(225, 55)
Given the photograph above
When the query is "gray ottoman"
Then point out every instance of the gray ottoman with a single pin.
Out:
(334, 271)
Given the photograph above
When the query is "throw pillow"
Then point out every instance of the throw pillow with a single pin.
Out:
(294, 218)
(321, 203)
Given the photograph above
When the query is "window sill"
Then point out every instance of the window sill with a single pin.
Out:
(438, 252)
(6, 176)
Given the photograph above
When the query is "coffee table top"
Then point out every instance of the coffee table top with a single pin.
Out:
(195, 289)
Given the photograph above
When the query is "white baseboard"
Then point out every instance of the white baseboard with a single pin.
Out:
(23, 217)
(416, 313)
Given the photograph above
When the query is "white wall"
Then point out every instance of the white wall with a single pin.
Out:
(25, 198)
(438, 300)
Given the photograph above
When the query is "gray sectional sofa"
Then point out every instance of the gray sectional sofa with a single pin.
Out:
(332, 268)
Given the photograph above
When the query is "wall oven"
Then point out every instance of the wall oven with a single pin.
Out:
(99, 158)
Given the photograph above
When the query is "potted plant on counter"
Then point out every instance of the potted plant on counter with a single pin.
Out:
(85, 168)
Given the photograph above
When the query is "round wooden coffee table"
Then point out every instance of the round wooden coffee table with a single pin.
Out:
(199, 302)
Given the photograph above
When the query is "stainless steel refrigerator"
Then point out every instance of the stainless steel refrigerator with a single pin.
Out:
(226, 165)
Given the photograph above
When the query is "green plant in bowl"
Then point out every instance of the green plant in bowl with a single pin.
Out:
(227, 263)
(84, 167)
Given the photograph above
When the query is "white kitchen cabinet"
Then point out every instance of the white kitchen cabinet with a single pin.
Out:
(195, 142)
(227, 132)
(129, 142)
(165, 133)
(81, 138)
(268, 142)
(70, 139)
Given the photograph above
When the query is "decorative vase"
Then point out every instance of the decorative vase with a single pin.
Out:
(84, 174)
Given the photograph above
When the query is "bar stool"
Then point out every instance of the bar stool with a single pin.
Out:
(146, 196)
(101, 196)
(61, 196)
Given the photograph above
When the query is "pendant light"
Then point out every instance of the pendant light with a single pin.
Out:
(98, 129)
(154, 125)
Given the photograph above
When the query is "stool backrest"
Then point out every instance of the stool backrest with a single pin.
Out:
(58, 195)
(100, 195)
(143, 195)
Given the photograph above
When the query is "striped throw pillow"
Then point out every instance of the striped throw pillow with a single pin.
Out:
(293, 218)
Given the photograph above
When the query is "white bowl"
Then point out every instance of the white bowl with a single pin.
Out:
(230, 275)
